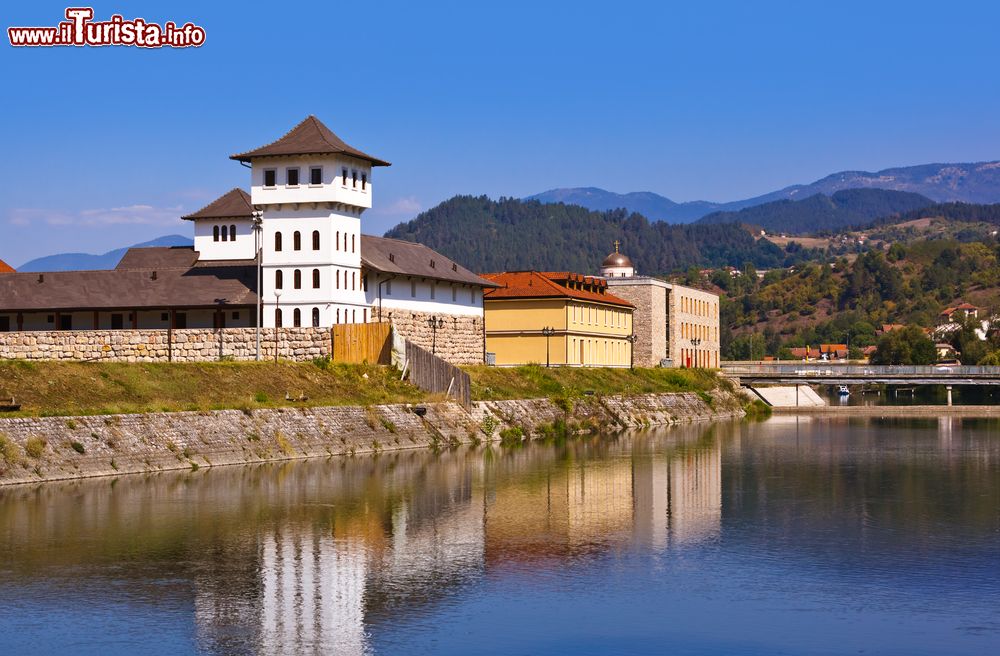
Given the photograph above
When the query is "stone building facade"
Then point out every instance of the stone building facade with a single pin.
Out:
(674, 325)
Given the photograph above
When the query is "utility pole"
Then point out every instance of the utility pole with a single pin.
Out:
(258, 228)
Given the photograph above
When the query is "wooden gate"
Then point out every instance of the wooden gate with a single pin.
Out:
(362, 342)
(432, 374)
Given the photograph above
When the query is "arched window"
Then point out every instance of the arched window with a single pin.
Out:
(297, 241)
(215, 233)
(354, 316)
(297, 318)
(352, 243)
(345, 248)
(315, 240)
(338, 279)
(315, 317)
(338, 315)
(336, 244)
(232, 233)
(354, 280)
(315, 278)
(225, 233)
(277, 318)
(297, 278)
(279, 279)
(364, 316)
(277, 241)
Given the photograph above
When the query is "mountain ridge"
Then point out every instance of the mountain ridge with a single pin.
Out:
(970, 182)
(91, 262)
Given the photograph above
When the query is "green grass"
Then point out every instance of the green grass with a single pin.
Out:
(566, 383)
(99, 388)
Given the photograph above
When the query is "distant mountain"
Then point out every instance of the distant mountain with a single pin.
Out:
(653, 206)
(88, 262)
(510, 234)
(970, 183)
(818, 213)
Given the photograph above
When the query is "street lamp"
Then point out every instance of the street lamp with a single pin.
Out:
(631, 339)
(695, 342)
(435, 323)
(257, 223)
(548, 332)
(277, 331)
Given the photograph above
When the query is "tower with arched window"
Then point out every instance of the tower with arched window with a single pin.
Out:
(311, 188)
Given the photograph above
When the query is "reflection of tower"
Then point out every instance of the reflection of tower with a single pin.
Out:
(695, 489)
(678, 494)
(312, 598)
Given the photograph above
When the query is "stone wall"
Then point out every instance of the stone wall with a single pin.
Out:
(53, 448)
(189, 345)
(459, 341)
(649, 321)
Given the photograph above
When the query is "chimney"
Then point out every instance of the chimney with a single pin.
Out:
(41, 277)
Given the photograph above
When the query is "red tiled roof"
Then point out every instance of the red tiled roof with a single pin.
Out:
(5, 268)
(234, 204)
(551, 284)
(310, 137)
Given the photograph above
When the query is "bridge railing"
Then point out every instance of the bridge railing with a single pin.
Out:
(834, 369)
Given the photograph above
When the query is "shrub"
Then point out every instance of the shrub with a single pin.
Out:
(261, 397)
(71, 424)
(35, 447)
(512, 435)
(8, 450)
(79, 448)
(489, 426)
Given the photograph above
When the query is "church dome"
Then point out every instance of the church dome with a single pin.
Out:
(617, 259)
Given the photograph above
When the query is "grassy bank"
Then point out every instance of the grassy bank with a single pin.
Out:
(89, 388)
(95, 388)
(495, 383)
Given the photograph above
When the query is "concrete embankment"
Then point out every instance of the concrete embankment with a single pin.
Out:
(39, 449)
(915, 411)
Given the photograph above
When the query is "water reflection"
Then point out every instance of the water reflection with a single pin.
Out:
(334, 556)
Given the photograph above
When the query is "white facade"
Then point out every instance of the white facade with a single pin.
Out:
(411, 294)
(224, 239)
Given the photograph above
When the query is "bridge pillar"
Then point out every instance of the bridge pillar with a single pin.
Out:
(949, 394)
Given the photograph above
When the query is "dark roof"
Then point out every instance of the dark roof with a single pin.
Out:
(5, 268)
(552, 284)
(407, 258)
(234, 204)
(133, 286)
(310, 137)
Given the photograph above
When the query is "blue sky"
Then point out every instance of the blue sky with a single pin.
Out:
(694, 100)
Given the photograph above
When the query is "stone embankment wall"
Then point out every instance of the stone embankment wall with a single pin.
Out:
(54, 448)
(460, 340)
(187, 345)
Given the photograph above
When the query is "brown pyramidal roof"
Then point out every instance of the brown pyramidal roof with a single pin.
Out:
(310, 137)
(234, 204)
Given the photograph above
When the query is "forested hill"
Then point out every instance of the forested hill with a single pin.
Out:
(820, 213)
(509, 234)
(955, 212)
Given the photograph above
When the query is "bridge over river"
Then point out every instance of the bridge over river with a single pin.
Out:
(832, 373)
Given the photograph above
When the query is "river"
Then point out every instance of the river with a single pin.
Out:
(789, 536)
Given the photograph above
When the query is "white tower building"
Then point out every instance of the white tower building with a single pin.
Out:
(617, 265)
(311, 188)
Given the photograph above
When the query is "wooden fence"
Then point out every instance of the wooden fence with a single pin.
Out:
(432, 374)
(362, 342)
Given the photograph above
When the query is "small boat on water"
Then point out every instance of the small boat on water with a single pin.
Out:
(843, 391)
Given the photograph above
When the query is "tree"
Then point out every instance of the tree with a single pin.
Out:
(907, 345)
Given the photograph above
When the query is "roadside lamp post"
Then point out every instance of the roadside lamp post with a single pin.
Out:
(257, 222)
(695, 342)
(631, 339)
(435, 323)
(277, 328)
(548, 332)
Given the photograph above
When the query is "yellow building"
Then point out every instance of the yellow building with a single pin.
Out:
(587, 326)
